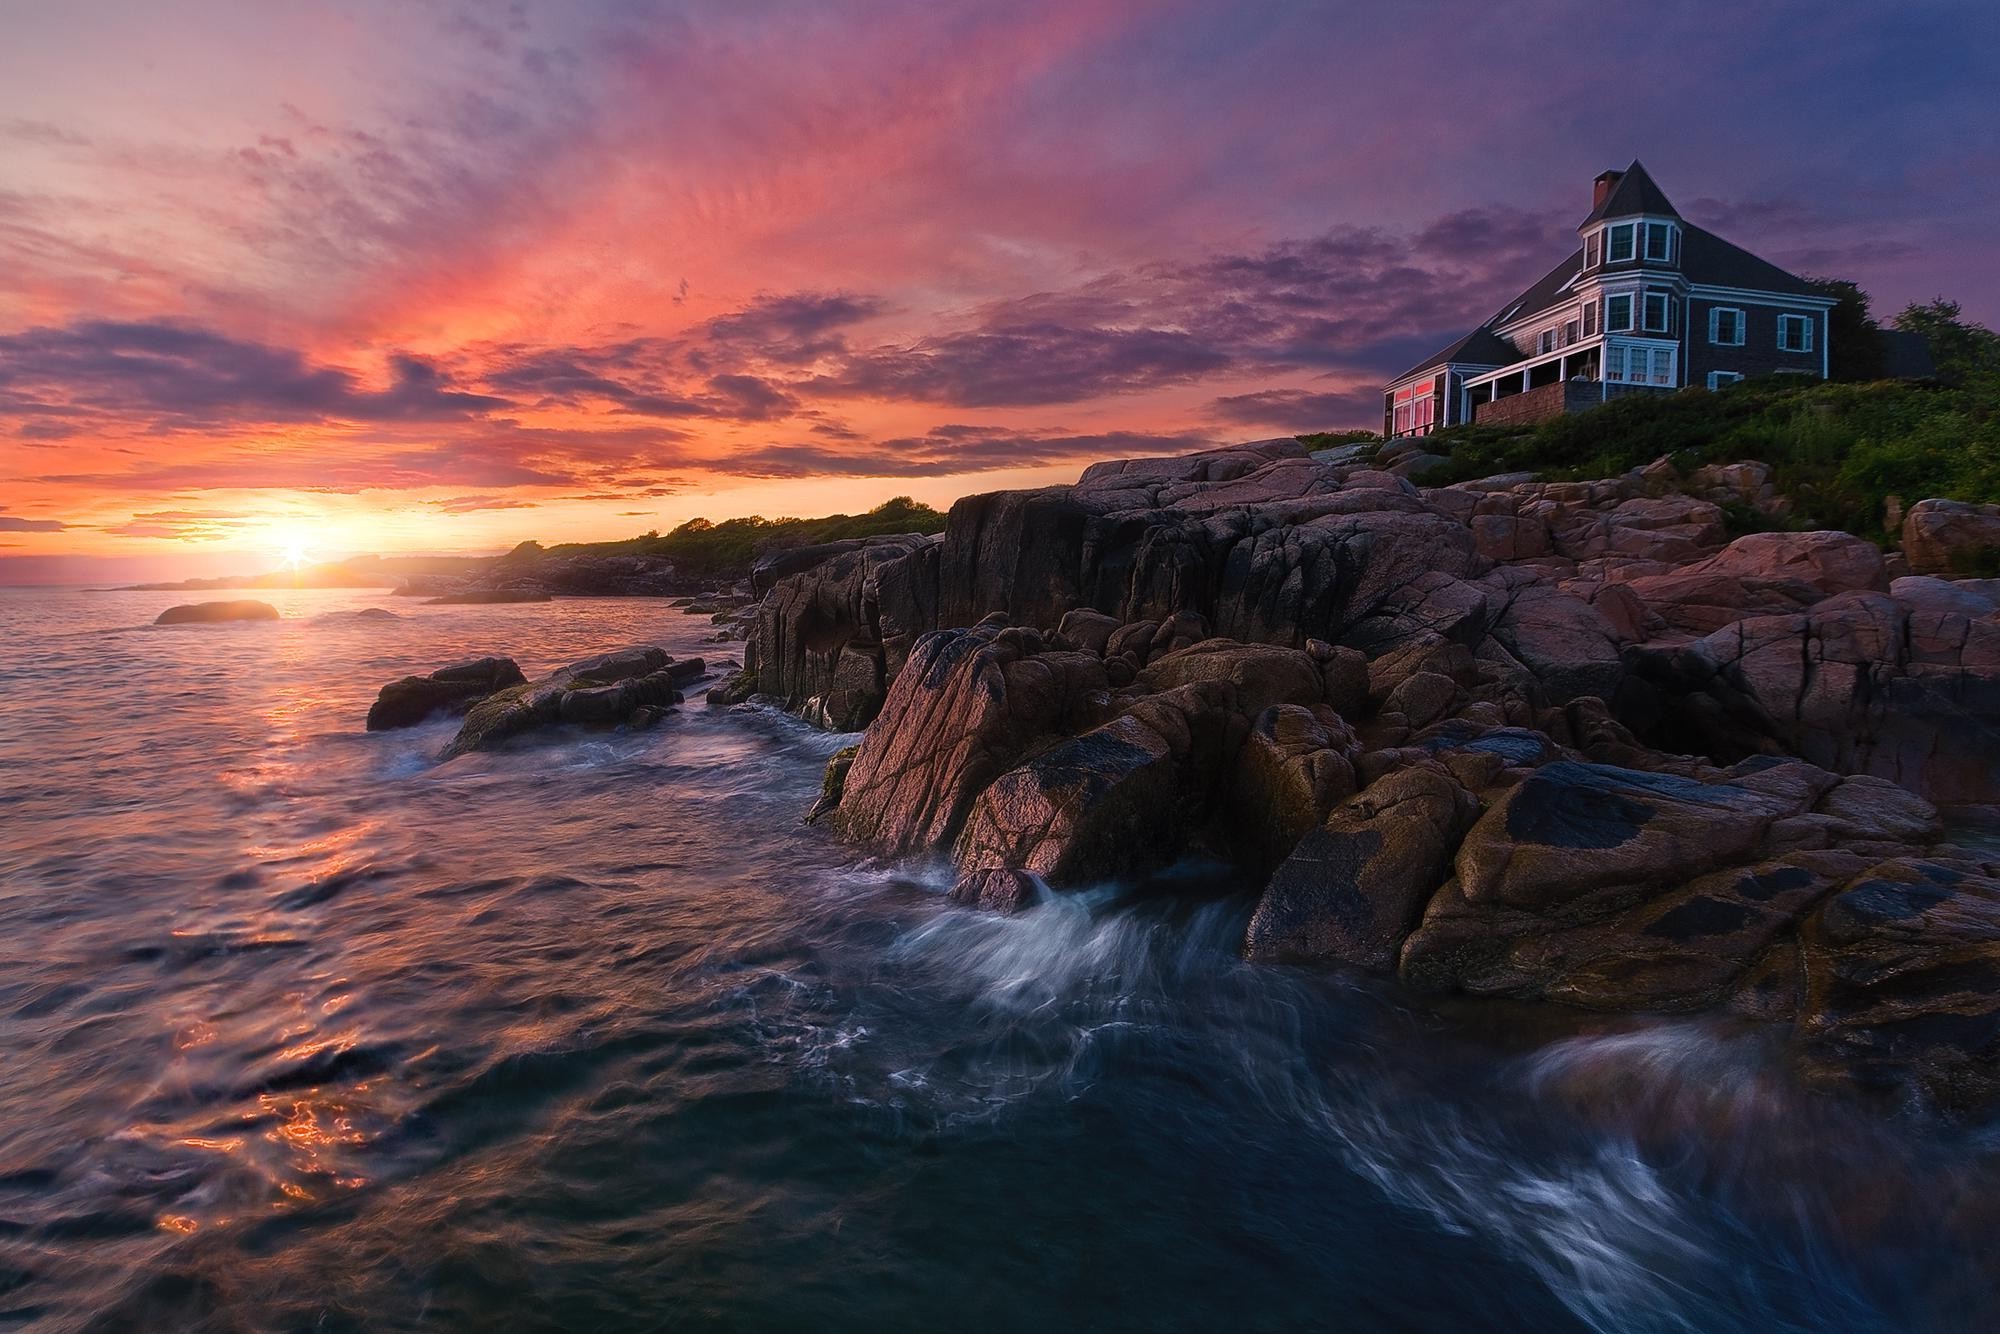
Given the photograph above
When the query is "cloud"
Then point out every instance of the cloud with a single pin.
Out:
(167, 374)
(951, 449)
(1297, 410)
(10, 523)
(1026, 364)
(182, 525)
(472, 504)
(792, 329)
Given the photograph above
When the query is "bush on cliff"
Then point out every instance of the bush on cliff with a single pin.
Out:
(1838, 450)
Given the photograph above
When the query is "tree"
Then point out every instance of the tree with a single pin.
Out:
(1961, 350)
(1854, 343)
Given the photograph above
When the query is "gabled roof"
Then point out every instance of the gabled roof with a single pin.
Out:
(1709, 261)
(1481, 347)
(1634, 194)
(1551, 289)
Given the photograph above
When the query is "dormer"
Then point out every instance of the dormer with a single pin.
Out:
(1632, 224)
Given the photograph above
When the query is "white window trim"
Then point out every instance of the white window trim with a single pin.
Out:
(1646, 249)
(1806, 339)
(1666, 301)
(1631, 229)
(1717, 379)
(1715, 320)
(1631, 311)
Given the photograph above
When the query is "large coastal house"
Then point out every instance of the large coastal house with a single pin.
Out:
(1647, 302)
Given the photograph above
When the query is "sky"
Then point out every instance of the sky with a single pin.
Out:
(441, 276)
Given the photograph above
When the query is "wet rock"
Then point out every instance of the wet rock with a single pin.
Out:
(1902, 983)
(203, 613)
(1861, 683)
(1295, 767)
(1351, 890)
(968, 707)
(631, 687)
(447, 691)
(833, 782)
(1109, 803)
(999, 890)
(836, 623)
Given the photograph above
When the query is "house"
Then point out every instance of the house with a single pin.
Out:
(1648, 302)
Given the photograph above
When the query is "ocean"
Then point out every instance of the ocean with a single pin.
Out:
(301, 1029)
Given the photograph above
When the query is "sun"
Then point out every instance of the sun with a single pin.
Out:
(293, 552)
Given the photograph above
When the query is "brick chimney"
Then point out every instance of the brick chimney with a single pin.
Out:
(1601, 188)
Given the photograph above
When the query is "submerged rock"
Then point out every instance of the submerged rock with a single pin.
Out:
(201, 613)
(448, 690)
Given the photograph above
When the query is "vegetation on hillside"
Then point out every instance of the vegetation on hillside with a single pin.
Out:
(1839, 450)
(729, 548)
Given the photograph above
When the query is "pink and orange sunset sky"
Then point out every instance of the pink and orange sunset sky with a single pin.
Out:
(442, 276)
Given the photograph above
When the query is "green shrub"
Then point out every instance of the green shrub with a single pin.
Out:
(1838, 450)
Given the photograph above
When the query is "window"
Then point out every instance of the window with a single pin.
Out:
(1618, 243)
(1415, 409)
(1717, 379)
(1571, 332)
(1656, 312)
(1725, 327)
(1639, 365)
(1618, 313)
(1592, 250)
(1590, 320)
(1545, 341)
(1660, 242)
(1795, 333)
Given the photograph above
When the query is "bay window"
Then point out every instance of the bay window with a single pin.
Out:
(1618, 243)
(1630, 364)
(1618, 313)
(1656, 312)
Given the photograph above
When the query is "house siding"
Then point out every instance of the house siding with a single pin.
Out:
(1759, 354)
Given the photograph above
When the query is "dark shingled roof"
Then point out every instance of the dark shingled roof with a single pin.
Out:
(1710, 261)
(1481, 347)
(1635, 193)
(1550, 289)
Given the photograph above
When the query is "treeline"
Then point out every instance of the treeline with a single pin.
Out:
(729, 548)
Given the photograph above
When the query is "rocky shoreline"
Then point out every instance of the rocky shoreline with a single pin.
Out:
(1548, 741)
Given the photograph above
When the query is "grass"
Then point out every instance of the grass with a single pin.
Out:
(728, 549)
(1838, 450)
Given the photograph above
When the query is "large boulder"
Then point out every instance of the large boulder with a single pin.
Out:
(1116, 801)
(837, 621)
(1863, 683)
(632, 687)
(446, 691)
(1352, 890)
(1825, 562)
(203, 613)
(1952, 537)
(970, 704)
